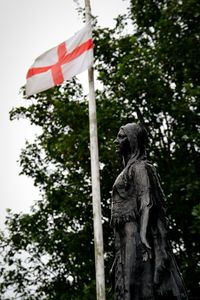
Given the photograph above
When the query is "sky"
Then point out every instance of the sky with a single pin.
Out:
(27, 29)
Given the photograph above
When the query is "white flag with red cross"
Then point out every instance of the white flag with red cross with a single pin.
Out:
(61, 63)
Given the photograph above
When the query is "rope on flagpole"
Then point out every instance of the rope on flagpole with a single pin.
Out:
(96, 196)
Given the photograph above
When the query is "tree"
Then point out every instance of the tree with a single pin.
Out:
(49, 252)
(155, 74)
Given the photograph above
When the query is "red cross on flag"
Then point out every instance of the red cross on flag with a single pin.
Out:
(61, 63)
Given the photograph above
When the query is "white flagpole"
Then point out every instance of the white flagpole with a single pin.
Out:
(96, 196)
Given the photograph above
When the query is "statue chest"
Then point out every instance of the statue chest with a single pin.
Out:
(124, 200)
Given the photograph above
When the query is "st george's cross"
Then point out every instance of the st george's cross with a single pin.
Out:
(61, 63)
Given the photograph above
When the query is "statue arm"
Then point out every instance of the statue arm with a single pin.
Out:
(142, 185)
(144, 220)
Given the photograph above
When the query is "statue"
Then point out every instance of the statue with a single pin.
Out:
(144, 266)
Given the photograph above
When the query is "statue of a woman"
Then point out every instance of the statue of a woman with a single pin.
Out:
(144, 266)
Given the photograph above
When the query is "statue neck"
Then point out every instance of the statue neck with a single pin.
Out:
(126, 159)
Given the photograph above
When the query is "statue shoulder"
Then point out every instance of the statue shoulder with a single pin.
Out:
(140, 166)
(144, 172)
(141, 171)
(138, 171)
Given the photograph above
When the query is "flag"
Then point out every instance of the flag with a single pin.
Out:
(61, 63)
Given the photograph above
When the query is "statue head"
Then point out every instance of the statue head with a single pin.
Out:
(131, 140)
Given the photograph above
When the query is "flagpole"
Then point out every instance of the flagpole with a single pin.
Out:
(96, 196)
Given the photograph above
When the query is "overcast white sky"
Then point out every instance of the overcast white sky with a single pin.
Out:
(27, 29)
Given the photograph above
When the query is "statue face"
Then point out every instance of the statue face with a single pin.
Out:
(122, 142)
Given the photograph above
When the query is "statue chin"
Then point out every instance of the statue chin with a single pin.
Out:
(118, 150)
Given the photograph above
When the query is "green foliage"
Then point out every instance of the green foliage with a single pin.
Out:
(150, 75)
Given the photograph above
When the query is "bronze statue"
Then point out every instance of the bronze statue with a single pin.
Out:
(144, 266)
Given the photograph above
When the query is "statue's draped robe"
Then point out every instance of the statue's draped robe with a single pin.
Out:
(142, 273)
